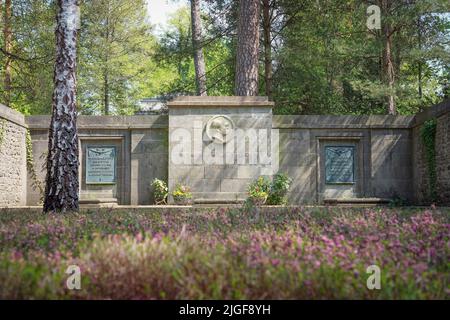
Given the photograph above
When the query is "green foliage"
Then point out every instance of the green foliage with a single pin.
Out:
(258, 191)
(428, 133)
(325, 60)
(33, 56)
(115, 55)
(279, 189)
(115, 42)
(263, 191)
(175, 55)
(330, 63)
(181, 194)
(36, 184)
(160, 191)
(397, 202)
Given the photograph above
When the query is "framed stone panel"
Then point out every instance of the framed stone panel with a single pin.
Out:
(101, 162)
(358, 141)
(113, 188)
(340, 164)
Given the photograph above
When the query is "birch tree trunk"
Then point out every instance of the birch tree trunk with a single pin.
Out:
(7, 32)
(61, 190)
(247, 79)
(199, 58)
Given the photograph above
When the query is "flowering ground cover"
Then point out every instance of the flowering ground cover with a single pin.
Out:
(271, 253)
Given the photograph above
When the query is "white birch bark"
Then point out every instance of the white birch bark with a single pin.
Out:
(61, 192)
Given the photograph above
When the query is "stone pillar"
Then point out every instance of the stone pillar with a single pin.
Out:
(218, 145)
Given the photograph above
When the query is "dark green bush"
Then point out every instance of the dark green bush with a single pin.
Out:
(279, 189)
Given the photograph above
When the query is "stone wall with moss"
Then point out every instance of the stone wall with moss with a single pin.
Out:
(443, 159)
(431, 157)
(13, 173)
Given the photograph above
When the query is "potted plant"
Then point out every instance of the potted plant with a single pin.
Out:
(182, 195)
(160, 191)
(258, 191)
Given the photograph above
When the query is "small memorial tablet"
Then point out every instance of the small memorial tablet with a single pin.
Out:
(340, 164)
(101, 165)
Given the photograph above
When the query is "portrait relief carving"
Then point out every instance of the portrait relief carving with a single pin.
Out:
(219, 129)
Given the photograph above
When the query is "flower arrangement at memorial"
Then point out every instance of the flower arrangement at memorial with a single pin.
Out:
(160, 191)
(258, 191)
(182, 194)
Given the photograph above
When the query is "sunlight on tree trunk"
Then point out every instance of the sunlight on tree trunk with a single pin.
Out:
(388, 66)
(199, 59)
(268, 68)
(61, 191)
(247, 49)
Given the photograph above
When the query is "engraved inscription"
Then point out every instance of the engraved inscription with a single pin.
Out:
(101, 165)
(340, 164)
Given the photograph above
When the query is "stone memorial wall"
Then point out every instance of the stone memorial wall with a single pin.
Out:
(141, 154)
(218, 145)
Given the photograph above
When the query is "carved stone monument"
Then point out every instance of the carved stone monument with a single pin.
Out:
(218, 145)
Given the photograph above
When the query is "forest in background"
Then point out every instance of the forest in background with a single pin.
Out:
(316, 56)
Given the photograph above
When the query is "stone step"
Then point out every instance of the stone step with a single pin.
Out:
(99, 203)
(219, 198)
(361, 201)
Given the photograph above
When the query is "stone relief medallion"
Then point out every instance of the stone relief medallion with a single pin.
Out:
(219, 129)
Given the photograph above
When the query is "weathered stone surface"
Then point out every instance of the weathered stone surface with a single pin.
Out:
(214, 177)
(342, 122)
(12, 158)
(391, 164)
(443, 159)
(143, 157)
(390, 158)
(421, 178)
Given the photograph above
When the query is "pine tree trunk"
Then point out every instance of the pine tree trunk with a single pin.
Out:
(268, 68)
(199, 59)
(388, 65)
(419, 76)
(389, 75)
(7, 32)
(61, 190)
(247, 49)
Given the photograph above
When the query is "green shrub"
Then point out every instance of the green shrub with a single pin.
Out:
(428, 133)
(279, 189)
(264, 191)
(160, 191)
